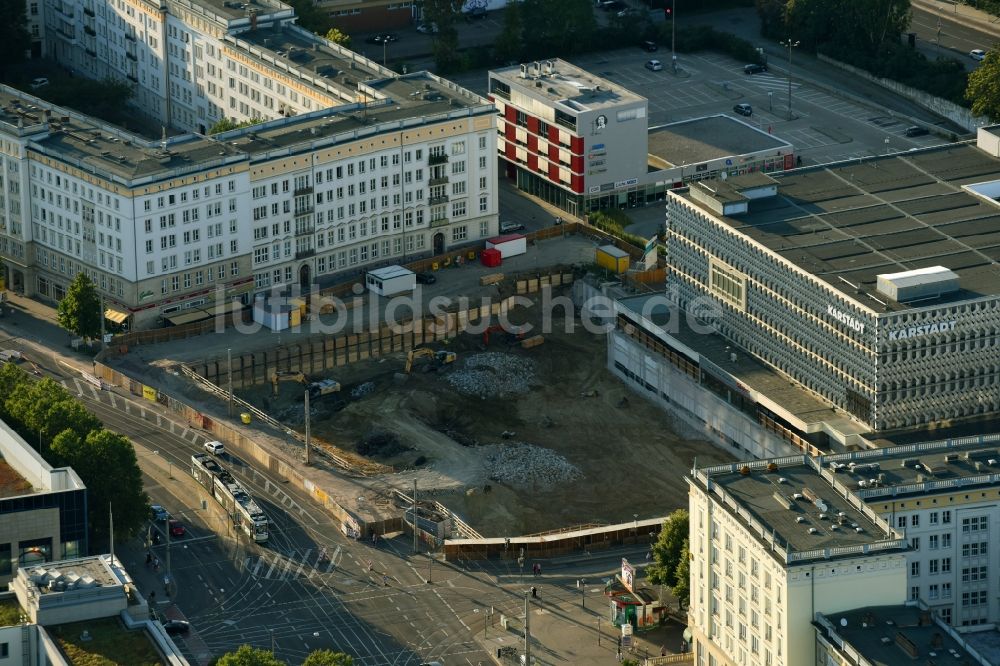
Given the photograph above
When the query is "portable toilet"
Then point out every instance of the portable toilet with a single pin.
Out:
(612, 258)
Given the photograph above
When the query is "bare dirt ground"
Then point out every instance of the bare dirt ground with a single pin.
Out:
(567, 460)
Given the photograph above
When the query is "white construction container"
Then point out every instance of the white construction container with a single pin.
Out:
(509, 245)
(390, 280)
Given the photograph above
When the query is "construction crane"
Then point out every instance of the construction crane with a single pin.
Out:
(285, 377)
(440, 357)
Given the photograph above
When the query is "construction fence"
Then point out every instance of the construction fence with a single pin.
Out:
(316, 354)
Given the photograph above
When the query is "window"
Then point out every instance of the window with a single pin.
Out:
(946, 517)
(915, 520)
(459, 233)
(933, 518)
(932, 541)
(946, 540)
(933, 592)
(946, 565)
(915, 543)
(915, 592)
(914, 569)
(932, 566)
(730, 285)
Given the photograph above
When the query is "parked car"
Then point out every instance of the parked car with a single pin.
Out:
(649, 46)
(176, 527)
(41, 82)
(754, 69)
(382, 38)
(977, 54)
(915, 130)
(743, 109)
(605, 4)
(654, 65)
(174, 627)
(613, 6)
(475, 13)
(159, 513)
(426, 278)
(215, 448)
(428, 28)
(511, 227)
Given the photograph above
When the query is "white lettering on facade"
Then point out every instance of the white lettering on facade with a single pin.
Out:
(847, 320)
(923, 329)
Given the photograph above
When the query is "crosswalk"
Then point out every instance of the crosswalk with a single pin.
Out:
(295, 565)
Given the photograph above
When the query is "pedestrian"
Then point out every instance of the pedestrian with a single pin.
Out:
(152, 597)
(539, 569)
(149, 559)
(619, 653)
(684, 647)
(369, 565)
(156, 564)
(385, 581)
(534, 592)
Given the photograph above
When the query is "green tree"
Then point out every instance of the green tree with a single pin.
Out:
(107, 465)
(983, 89)
(668, 547)
(44, 409)
(866, 27)
(249, 656)
(682, 577)
(79, 312)
(510, 42)
(338, 37)
(12, 379)
(328, 658)
(227, 124)
(311, 16)
(14, 37)
(559, 28)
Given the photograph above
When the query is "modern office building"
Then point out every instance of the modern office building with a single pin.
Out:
(43, 511)
(772, 544)
(352, 166)
(936, 501)
(583, 143)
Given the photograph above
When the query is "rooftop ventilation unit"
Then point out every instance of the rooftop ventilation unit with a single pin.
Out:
(917, 285)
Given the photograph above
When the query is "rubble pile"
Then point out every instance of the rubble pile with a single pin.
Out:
(361, 390)
(522, 464)
(493, 375)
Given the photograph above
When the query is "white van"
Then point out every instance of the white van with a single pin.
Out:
(215, 448)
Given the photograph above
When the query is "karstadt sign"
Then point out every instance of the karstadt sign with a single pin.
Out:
(922, 329)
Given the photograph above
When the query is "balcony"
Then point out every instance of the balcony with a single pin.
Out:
(443, 180)
(131, 56)
(302, 254)
(91, 52)
(66, 33)
(88, 11)
(303, 210)
(305, 229)
(66, 11)
(132, 77)
(440, 222)
(90, 31)
(437, 159)
(130, 37)
(299, 191)
(434, 201)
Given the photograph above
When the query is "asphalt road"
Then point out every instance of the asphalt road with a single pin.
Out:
(957, 32)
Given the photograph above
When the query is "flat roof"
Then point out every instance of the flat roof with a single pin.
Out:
(709, 138)
(848, 222)
(232, 9)
(879, 632)
(93, 144)
(808, 518)
(389, 272)
(84, 572)
(567, 86)
(796, 401)
(930, 467)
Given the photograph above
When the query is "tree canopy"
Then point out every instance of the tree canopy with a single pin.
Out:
(14, 37)
(337, 37)
(558, 27)
(227, 124)
(44, 411)
(866, 27)
(249, 656)
(668, 547)
(328, 658)
(983, 89)
(79, 312)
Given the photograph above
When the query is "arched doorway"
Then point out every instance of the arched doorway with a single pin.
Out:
(438, 243)
(304, 277)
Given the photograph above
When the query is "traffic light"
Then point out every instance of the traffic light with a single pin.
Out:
(669, 12)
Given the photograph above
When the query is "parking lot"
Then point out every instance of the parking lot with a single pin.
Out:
(824, 128)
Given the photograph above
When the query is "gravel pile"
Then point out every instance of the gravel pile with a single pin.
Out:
(493, 374)
(361, 390)
(518, 463)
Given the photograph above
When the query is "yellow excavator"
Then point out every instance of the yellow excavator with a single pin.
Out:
(439, 357)
(285, 377)
(316, 389)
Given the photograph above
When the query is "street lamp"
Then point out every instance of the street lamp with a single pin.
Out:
(789, 44)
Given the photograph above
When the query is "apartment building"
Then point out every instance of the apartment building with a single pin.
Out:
(350, 166)
(772, 544)
(933, 507)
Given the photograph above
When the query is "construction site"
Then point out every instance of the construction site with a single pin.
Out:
(516, 429)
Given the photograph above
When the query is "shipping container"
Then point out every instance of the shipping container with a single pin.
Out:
(390, 280)
(613, 259)
(509, 246)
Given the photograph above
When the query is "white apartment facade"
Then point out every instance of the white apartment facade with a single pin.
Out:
(755, 588)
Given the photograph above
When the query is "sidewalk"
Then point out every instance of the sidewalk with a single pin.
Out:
(962, 13)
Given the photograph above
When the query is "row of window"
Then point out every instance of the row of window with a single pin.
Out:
(214, 273)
